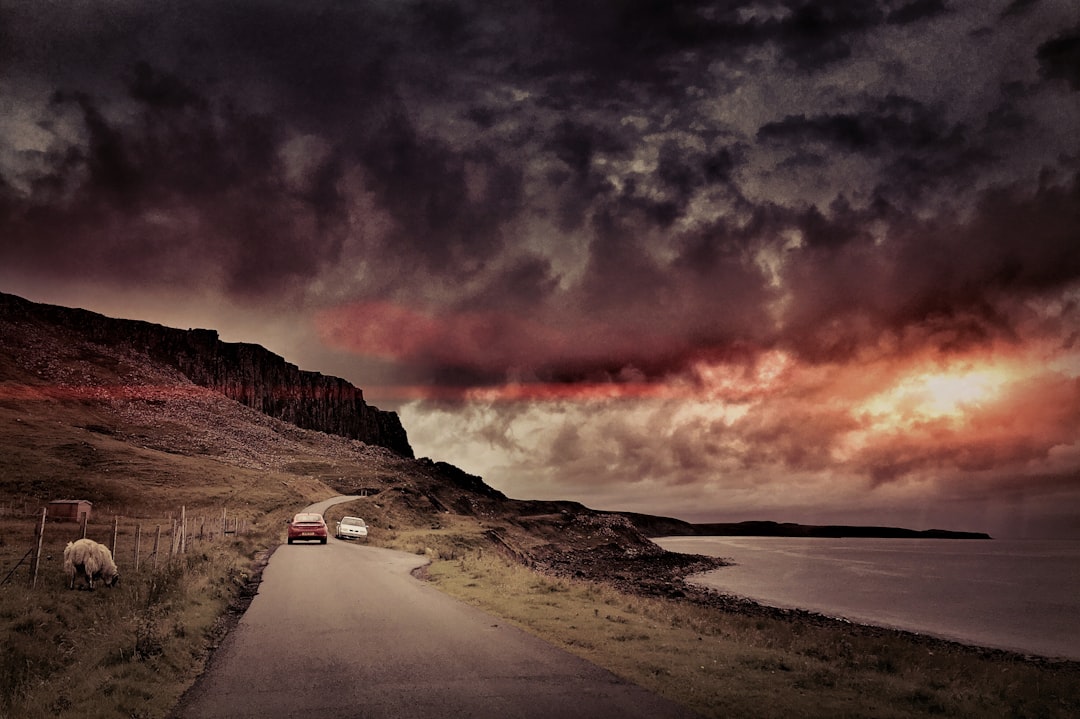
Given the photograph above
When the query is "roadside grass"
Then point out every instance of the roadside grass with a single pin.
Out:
(721, 664)
(128, 651)
(132, 650)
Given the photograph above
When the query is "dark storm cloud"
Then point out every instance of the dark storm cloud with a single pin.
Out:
(158, 90)
(202, 154)
(1059, 58)
(954, 285)
(916, 11)
(525, 284)
(638, 39)
(1018, 7)
(918, 155)
(818, 34)
(179, 191)
(564, 160)
(892, 124)
(1019, 246)
(425, 188)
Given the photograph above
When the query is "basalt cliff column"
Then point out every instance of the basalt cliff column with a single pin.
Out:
(246, 373)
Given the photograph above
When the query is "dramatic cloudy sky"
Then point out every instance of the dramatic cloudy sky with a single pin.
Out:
(804, 261)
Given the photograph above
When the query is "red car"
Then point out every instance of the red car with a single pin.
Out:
(307, 526)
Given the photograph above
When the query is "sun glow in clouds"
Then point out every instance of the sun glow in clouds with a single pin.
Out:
(936, 395)
(923, 403)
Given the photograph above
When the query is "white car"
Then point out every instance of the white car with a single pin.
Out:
(351, 528)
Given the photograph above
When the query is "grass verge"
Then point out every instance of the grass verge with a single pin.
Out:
(722, 664)
(128, 651)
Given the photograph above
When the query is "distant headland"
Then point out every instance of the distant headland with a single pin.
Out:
(668, 527)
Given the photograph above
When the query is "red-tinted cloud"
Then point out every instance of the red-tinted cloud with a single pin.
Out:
(499, 346)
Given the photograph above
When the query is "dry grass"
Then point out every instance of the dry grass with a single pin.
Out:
(128, 651)
(723, 664)
(132, 650)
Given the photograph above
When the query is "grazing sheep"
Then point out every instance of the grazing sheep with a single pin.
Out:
(90, 560)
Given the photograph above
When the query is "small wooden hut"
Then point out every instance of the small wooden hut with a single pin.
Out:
(69, 510)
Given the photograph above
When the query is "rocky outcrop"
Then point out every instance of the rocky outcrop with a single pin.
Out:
(246, 373)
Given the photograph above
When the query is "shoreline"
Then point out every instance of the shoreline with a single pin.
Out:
(736, 604)
(639, 615)
(670, 576)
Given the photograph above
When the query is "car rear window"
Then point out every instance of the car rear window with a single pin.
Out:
(308, 518)
(353, 521)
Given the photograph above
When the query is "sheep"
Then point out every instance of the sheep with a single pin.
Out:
(90, 560)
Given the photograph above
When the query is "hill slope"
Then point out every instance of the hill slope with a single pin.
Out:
(246, 373)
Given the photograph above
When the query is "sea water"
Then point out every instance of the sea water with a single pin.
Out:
(1018, 595)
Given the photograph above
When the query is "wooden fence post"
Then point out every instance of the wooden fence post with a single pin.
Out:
(39, 535)
(157, 544)
(115, 529)
(83, 516)
(183, 529)
(138, 544)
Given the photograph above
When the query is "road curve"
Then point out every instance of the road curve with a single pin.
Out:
(344, 630)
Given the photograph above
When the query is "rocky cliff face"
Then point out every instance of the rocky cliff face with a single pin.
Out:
(246, 373)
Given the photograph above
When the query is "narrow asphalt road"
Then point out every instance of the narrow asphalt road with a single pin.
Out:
(343, 630)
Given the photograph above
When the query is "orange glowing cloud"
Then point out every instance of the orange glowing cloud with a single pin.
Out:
(994, 410)
(924, 395)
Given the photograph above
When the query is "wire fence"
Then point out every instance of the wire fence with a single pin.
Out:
(162, 542)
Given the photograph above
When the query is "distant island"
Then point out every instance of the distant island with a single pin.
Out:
(653, 526)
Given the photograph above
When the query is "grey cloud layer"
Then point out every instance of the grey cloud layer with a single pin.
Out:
(702, 176)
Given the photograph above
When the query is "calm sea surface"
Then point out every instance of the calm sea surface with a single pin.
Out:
(1019, 595)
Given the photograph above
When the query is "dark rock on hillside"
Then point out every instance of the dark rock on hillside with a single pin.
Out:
(461, 479)
(246, 373)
